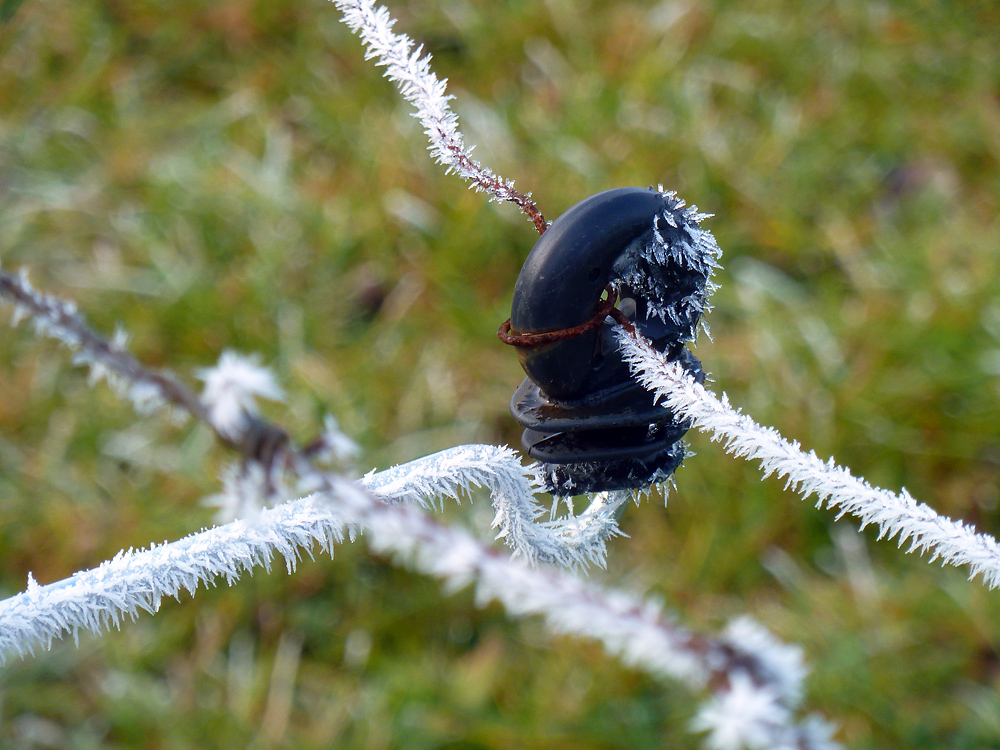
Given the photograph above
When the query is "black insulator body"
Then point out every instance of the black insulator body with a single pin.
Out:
(586, 420)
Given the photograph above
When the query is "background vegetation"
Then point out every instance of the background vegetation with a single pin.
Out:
(234, 174)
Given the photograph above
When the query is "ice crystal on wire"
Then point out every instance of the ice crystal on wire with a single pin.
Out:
(817, 733)
(337, 446)
(779, 663)
(247, 489)
(230, 390)
(744, 717)
(410, 70)
(574, 541)
(896, 514)
(672, 266)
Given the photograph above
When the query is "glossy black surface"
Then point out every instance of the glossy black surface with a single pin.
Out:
(588, 423)
(561, 283)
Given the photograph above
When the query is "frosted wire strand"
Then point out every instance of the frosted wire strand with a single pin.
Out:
(59, 319)
(571, 542)
(629, 628)
(138, 580)
(410, 70)
(750, 708)
(228, 407)
(895, 514)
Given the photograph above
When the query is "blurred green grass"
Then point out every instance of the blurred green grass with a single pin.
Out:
(235, 175)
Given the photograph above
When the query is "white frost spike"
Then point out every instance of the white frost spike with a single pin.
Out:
(895, 514)
(245, 493)
(672, 272)
(146, 397)
(411, 72)
(781, 662)
(20, 313)
(119, 339)
(743, 717)
(817, 734)
(340, 446)
(574, 541)
(230, 390)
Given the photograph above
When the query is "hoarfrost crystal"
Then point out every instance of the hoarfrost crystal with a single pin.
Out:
(673, 269)
(896, 514)
(744, 717)
(230, 390)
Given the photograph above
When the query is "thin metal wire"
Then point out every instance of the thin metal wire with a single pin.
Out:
(606, 308)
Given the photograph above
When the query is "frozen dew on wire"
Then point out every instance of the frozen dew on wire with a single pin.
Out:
(410, 70)
(744, 716)
(335, 445)
(231, 389)
(782, 663)
(247, 488)
(572, 541)
(135, 581)
(633, 629)
(108, 360)
(896, 514)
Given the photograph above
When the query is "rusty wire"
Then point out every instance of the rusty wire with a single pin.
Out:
(604, 309)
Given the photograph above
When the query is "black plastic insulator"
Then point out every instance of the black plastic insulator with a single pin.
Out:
(561, 283)
(589, 424)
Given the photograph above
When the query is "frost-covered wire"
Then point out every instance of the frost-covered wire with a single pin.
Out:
(572, 541)
(630, 628)
(273, 470)
(135, 581)
(227, 405)
(231, 388)
(107, 360)
(410, 70)
(896, 514)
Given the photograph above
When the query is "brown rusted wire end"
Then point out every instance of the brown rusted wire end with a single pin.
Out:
(606, 308)
(535, 215)
(496, 186)
(623, 321)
